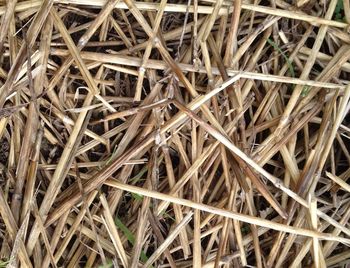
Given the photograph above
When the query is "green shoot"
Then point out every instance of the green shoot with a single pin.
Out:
(137, 197)
(289, 63)
(165, 215)
(109, 264)
(339, 11)
(139, 175)
(305, 91)
(130, 237)
(109, 160)
(3, 264)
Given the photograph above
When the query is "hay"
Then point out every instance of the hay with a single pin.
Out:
(174, 133)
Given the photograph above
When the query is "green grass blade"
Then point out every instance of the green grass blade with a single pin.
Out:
(289, 62)
(130, 237)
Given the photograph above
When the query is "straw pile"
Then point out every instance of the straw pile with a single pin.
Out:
(210, 133)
